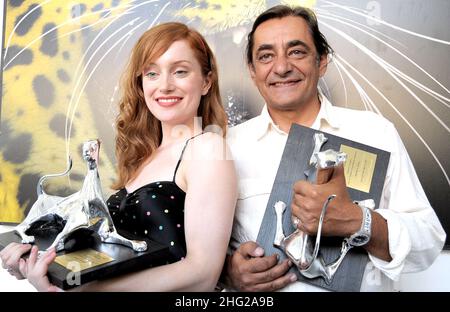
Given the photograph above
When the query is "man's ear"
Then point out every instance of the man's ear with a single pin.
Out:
(251, 69)
(323, 64)
(207, 84)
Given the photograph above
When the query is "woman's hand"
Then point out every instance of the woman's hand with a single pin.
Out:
(11, 256)
(36, 269)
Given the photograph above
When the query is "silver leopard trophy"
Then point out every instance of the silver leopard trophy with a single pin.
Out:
(299, 246)
(85, 209)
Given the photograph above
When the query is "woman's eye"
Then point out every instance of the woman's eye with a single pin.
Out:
(151, 74)
(181, 72)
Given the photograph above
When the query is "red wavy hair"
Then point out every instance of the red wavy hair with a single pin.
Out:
(138, 131)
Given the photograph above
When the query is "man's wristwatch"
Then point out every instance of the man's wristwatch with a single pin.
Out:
(362, 237)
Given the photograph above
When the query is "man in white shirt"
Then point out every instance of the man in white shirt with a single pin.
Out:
(287, 55)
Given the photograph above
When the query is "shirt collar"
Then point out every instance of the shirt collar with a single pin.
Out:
(265, 122)
(326, 114)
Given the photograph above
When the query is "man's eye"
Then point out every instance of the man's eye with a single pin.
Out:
(297, 53)
(265, 58)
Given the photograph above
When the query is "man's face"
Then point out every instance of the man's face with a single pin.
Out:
(286, 68)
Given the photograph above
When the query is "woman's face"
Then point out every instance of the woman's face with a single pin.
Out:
(173, 85)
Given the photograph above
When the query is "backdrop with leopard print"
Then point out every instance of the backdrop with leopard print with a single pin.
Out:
(62, 61)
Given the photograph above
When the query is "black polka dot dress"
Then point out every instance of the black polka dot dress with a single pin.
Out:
(154, 211)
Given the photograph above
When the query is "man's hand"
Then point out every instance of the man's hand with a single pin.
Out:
(343, 217)
(248, 269)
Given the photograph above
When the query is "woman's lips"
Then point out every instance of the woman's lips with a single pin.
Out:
(168, 101)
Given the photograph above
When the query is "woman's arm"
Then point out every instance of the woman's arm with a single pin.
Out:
(11, 256)
(209, 208)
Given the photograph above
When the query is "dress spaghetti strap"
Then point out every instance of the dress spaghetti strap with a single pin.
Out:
(181, 156)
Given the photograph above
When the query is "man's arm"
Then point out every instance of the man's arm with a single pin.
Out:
(378, 245)
(415, 234)
(343, 217)
(406, 233)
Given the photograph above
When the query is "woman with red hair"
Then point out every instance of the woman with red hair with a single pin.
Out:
(170, 152)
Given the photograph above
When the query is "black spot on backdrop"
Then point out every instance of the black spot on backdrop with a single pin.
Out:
(97, 7)
(78, 10)
(24, 58)
(58, 125)
(66, 55)
(77, 177)
(63, 76)
(5, 133)
(15, 3)
(49, 44)
(44, 90)
(64, 191)
(17, 150)
(115, 3)
(26, 24)
(26, 194)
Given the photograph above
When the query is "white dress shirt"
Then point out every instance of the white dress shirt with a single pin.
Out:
(416, 236)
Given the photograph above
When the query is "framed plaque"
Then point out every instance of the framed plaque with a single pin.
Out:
(365, 172)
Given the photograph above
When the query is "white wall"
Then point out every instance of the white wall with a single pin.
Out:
(436, 278)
